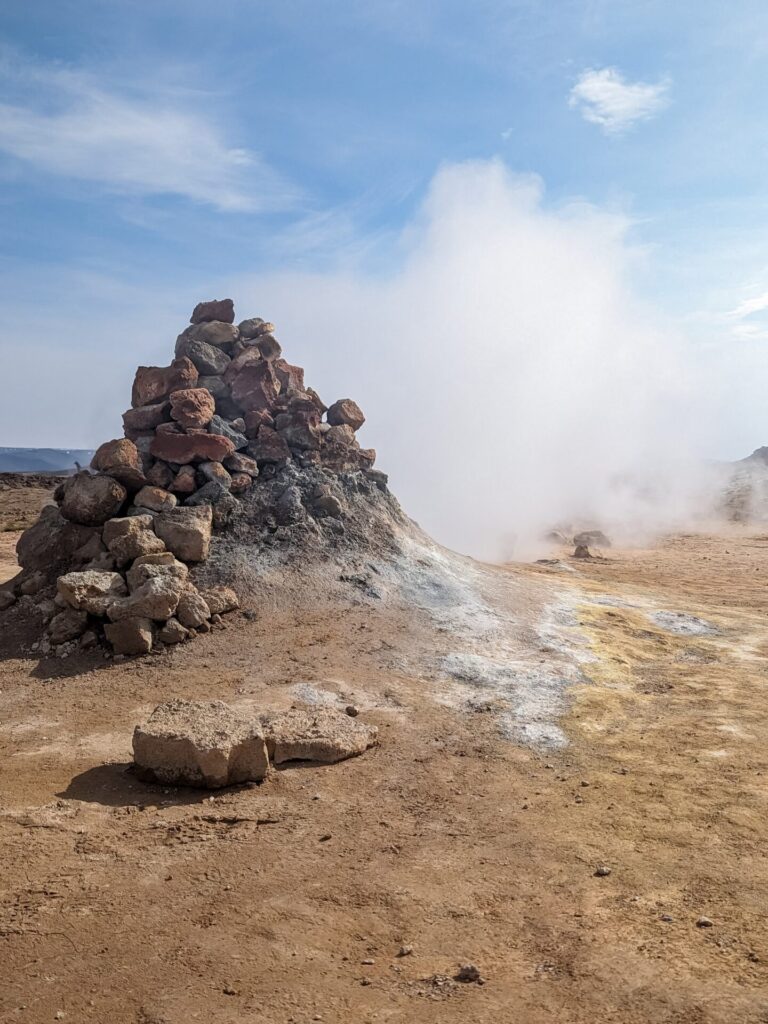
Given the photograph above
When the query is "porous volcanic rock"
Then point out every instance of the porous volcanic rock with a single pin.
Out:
(120, 459)
(204, 744)
(345, 411)
(131, 537)
(315, 734)
(193, 407)
(91, 591)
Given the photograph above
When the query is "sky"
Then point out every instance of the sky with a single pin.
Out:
(586, 179)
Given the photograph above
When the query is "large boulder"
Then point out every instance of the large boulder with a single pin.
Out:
(131, 537)
(216, 309)
(91, 591)
(154, 383)
(200, 743)
(184, 448)
(51, 543)
(192, 407)
(315, 734)
(345, 411)
(120, 459)
(130, 636)
(186, 531)
(91, 500)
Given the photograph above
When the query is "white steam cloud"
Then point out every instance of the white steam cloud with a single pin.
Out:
(510, 378)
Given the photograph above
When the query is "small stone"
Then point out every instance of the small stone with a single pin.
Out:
(405, 951)
(468, 974)
(602, 871)
(351, 710)
(667, 918)
(704, 922)
(368, 962)
(172, 632)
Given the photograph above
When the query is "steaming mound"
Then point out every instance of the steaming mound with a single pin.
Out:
(746, 489)
(230, 468)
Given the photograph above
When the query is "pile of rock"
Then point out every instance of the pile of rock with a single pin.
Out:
(228, 413)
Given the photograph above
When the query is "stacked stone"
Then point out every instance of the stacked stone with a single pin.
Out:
(227, 411)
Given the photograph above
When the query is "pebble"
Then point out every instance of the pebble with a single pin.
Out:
(325, 838)
(704, 922)
(368, 962)
(469, 973)
(351, 710)
(602, 871)
(667, 917)
(405, 951)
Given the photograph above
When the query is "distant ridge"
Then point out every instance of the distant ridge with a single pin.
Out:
(42, 460)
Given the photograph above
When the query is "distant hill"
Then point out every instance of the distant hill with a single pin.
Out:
(42, 460)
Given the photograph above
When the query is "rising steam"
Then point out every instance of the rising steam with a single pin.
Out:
(510, 377)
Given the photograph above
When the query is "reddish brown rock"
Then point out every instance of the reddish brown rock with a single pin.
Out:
(240, 482)
(192, 407)
(144, 419)
(183, 448)
(345, 411)
(254, 419)
(319, 403)
(299, 429)
(268, 447)
(154, 498)
(342, 434)
(216, 309)
(256, 386)
(160, 474)
(120, 459)
(239, 463)
(154, 383)
(288, 375)
(245, 358)
(185, 481)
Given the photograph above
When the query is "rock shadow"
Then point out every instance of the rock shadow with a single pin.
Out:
(117, 785)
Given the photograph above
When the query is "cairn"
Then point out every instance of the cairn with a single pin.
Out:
(123, 543)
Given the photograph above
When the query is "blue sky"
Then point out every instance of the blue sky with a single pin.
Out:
(151, 154)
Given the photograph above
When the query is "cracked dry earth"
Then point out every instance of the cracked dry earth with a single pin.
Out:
(536, 723)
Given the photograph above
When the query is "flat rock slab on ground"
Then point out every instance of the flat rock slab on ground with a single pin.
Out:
(315, 734)
(205, 744)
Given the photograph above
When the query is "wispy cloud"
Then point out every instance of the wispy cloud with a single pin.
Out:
(604, 97)
(143, 142)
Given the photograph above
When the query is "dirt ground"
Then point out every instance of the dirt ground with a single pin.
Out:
(290, 902)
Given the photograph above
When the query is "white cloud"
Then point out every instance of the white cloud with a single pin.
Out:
(749, 307)
(604, 97)
(67, 123)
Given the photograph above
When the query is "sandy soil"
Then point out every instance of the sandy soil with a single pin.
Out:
(289, 902)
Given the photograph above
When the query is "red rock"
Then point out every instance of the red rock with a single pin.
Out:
(169, 428)
(346, 411)
(193, 407)
(268, 447)
(160, 475)
(185, 448)
(288, 375)
(254, 419)
(144, 419)
(256, 386)
(300, 429)
(120, 459)
(245, 358)
(154, 383)
(239, 463)
(241, 482)
(185, 481)
(320, 404)
(216, 309)
(342, 434)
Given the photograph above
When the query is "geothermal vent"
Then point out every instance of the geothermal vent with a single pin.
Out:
(230, 468)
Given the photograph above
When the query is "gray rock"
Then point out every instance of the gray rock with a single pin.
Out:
(186, 531)
(192, 610)
(207, 358)
(67, 625)
(173, 632)
(209, 494)
(7, 599)
(91, 591)
(157, 599)
(219, 425)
